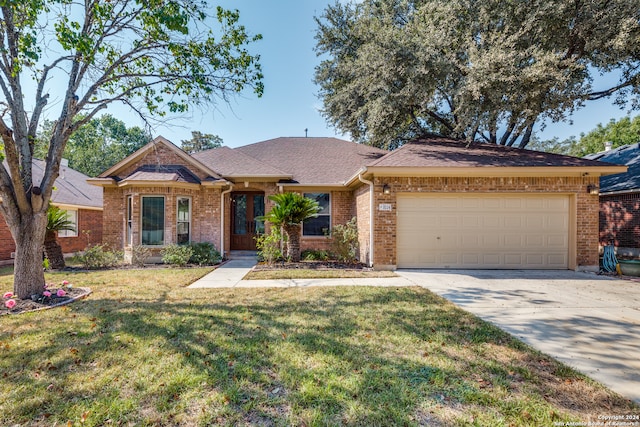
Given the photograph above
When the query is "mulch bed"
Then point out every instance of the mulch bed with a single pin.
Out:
(42, 303)
(312, 265)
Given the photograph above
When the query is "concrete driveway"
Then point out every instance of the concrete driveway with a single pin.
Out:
(589, 322)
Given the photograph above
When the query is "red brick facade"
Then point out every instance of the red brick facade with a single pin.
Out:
(89, 233)
(620, 220)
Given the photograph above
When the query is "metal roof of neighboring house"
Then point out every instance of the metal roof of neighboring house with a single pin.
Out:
(628, 155)
(313, 160)
(451, 153)
(229, 162)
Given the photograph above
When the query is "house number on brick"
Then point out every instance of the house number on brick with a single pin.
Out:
(385, 207)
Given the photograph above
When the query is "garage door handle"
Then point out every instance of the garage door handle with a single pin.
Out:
(438, 238)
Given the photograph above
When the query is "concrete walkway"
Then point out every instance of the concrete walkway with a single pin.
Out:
(589, 322)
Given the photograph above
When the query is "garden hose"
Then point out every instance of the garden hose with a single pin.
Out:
(609, 260)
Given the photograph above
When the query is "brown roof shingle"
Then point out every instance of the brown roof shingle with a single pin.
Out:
(229, 162)
(314, 160)
(445, 152)
(71, 187)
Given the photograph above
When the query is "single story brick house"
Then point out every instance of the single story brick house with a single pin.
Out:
(83, 203)
(620, 201)
(433, 203)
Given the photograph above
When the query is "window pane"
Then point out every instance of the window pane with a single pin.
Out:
(240, 217)
(258, 210)
(129, 220)
(183, 209)
(184, 220)
(153, 220)
(322, 199)
(316, 226)
(72, 216)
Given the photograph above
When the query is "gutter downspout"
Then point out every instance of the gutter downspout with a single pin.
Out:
(222, 251)
(364, 181)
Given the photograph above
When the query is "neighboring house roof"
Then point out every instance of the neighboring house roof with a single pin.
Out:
(233, 163)
(628, 155)
(71, 187)
(450, 153)
(314, 161)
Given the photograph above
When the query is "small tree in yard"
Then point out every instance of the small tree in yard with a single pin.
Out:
(153, 56)
(289, 212)
(57, 220)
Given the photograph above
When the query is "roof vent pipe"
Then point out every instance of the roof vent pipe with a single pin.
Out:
(608, 145)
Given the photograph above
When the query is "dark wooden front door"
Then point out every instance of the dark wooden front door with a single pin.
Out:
(245, 207)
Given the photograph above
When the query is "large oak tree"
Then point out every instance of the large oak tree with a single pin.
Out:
(156, 56)
(487, 70)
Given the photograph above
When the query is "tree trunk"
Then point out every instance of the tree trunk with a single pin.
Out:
(293, 244)
(53, 250)
(28, 275)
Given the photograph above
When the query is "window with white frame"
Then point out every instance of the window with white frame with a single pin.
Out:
(184, 220)
(129, 220)
(72, 216)
(320, 225)
(152, 216)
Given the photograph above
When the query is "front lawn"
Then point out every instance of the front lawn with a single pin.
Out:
(144, 350)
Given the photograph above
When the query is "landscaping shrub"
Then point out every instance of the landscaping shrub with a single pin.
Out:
(268, 245)
(176, 255)
(139, 255)
(100, 256)
(344, 241)
(315, 255)
(204, 253)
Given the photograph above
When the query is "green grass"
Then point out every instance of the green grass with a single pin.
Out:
(304, 273)
(144, 350)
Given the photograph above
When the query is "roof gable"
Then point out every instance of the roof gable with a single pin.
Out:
(131, 162)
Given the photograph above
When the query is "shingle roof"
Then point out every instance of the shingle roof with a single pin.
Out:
(445, 152)
(313, 160)
(71, 187)
(176, 173)
(628, 155)
(229, 162)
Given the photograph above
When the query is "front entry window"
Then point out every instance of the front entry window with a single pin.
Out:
(184, 220)
(246, 207)
(152, 220)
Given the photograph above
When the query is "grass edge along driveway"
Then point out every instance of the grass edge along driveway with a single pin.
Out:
(144, 350)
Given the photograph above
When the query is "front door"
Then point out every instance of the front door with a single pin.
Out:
(245, 207)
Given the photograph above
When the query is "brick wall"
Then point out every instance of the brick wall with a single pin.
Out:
(620, 220)
(6, 241)
(385, 221)
(362, 206)
(89, 232)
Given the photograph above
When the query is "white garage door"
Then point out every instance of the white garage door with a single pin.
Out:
(482, 231)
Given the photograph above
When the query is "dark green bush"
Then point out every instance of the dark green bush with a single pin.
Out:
(176, 255)
(100, 256)
(315, 255)
(204, 253)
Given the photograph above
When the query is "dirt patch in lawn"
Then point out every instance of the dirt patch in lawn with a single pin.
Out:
(314, 270)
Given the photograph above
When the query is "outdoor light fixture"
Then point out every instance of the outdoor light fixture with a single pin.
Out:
(592, 189)
(386, 189)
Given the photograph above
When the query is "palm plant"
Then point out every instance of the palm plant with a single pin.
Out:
(56, 221)
(289, 211)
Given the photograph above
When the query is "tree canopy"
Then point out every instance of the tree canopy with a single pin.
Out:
(489, 70)
(625, 131)
(201, 142)
(155, 56)
(97, 145)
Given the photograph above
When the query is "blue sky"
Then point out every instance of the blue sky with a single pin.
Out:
(290, 103)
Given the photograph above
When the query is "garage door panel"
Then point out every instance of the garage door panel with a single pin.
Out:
(482, 231)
